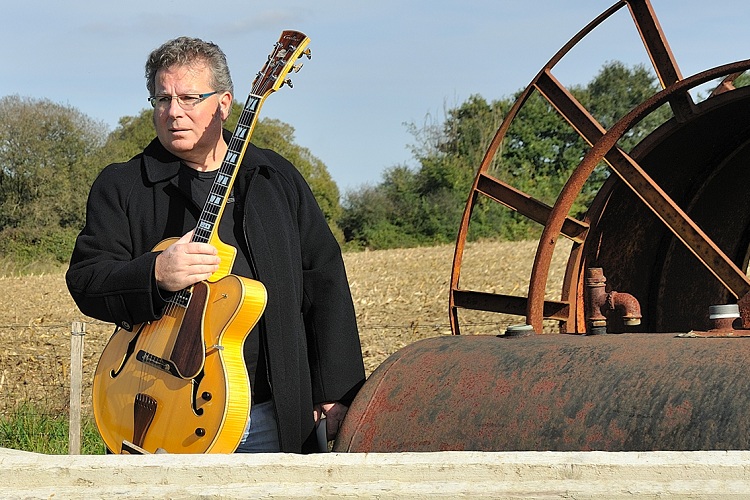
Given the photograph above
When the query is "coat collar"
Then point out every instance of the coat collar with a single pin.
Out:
(161, 165)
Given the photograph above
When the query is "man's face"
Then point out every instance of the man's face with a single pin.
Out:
(189, 134)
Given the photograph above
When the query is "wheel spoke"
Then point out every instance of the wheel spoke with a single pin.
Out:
(679, 223)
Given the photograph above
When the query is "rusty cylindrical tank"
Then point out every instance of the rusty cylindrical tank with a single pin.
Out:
(615, 392)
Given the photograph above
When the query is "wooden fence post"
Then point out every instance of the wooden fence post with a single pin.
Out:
(77, 333)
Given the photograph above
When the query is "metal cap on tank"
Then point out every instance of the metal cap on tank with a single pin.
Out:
(519, 330)
(723, 311)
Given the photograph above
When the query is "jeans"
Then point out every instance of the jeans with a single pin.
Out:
(262, 433)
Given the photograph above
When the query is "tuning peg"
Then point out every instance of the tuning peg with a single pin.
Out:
(297, 67)
(288, 81)
(307, 53)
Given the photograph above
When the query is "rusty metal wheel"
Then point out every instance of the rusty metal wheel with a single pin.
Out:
(671, 227)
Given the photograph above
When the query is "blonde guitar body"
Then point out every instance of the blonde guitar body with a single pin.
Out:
(142, 398)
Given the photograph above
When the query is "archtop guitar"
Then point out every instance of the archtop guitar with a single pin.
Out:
(179, 384)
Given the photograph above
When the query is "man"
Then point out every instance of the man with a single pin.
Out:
(304, 358)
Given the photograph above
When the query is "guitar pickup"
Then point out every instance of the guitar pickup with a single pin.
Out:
(162, 364)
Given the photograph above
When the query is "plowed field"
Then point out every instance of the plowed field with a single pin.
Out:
(400, 296)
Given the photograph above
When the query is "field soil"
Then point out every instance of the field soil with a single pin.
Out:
(400, 296)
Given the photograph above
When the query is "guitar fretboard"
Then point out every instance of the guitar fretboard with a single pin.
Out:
(221, 187)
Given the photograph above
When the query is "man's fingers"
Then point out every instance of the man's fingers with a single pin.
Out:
(202, 249)
(187, 237)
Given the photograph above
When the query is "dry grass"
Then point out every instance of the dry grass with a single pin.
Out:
(400, 296)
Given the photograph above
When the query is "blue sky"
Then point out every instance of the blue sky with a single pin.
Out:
(376, 66)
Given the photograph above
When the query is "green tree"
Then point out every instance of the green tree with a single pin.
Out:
(46, 155)
(372, 220)
(133, 133)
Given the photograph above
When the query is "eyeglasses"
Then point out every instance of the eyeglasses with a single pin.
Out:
(186, 101)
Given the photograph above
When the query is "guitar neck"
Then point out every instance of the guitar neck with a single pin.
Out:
(207, 228)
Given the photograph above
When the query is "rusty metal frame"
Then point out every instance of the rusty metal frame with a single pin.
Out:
(603, 148)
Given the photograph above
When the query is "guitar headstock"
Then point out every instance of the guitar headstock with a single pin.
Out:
(291, 46)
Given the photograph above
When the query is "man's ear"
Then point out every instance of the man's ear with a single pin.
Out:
(226, 105)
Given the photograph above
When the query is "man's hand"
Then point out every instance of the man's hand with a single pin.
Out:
(335, 413)
(184, 263)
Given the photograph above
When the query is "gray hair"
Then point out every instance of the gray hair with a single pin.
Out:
(186, 51)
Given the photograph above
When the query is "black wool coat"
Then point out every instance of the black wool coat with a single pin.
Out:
(313, 344)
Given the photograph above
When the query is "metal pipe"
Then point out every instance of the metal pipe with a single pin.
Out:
(600, 304)
(596, 297)
(627, 305)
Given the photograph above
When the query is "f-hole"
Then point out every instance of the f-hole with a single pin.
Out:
(128, 352)
(196, 382)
